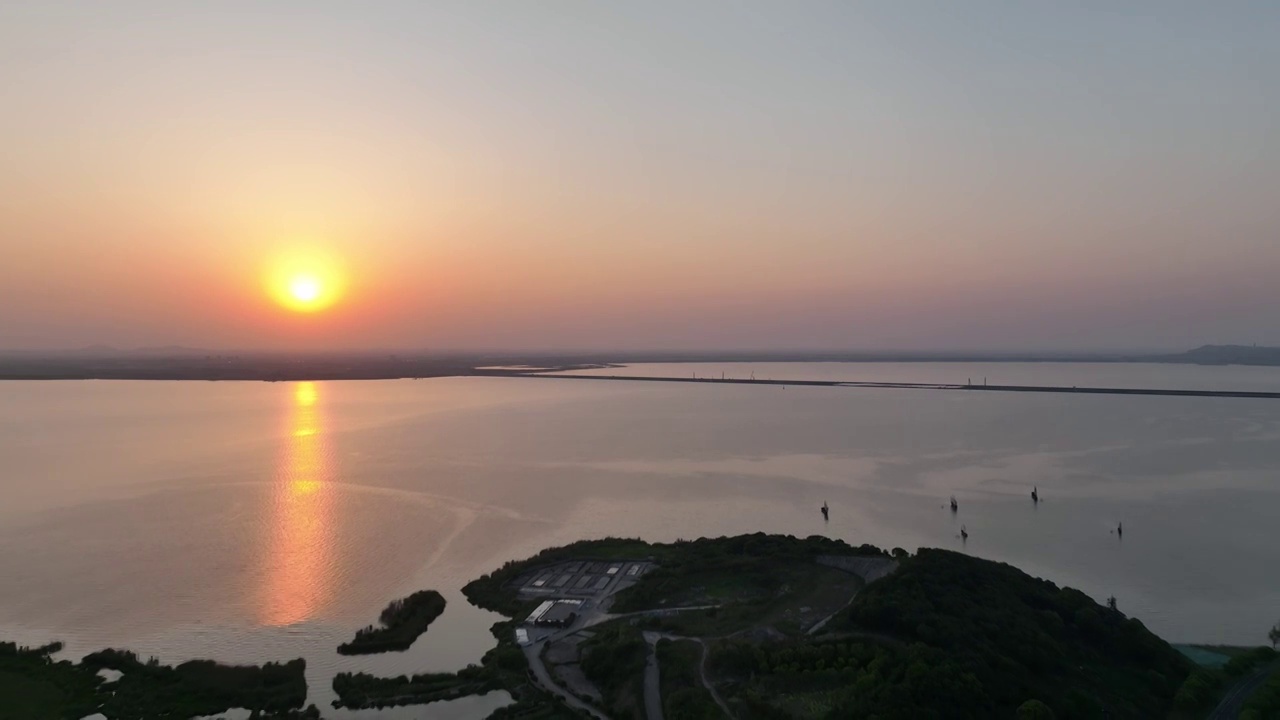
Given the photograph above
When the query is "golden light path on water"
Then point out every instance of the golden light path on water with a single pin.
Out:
(298, 584)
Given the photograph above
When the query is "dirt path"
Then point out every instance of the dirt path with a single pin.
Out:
(706, 683)
(593, 617)
(652, 690)
(1234, 700)
(533, 653)
(823, 622)
(600, 617)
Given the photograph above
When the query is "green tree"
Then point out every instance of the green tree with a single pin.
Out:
(1034, 710)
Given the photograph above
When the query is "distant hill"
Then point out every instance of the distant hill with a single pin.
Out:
(97, 350)
(1227, 355)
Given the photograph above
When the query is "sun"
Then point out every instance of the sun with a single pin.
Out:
(305, 281)
(306, 289)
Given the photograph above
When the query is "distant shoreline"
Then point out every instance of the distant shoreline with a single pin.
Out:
(261, 371)
(281, 367)
(931, 386)
(562, 373)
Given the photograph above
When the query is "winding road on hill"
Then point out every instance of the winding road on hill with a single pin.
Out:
(652, 689)
(532, 653)
(1233, 702)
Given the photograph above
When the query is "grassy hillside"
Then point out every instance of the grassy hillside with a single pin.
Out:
(945, 636)
(747, 569)
(1003, 637)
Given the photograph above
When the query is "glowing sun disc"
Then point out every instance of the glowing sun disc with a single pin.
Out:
(305, 288)
(305, 281)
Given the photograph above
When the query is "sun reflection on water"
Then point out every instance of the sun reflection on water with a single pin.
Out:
(298, 582)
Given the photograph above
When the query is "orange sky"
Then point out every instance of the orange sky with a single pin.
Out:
(657, 177)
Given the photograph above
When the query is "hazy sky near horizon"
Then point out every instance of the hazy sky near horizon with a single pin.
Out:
(663, 174)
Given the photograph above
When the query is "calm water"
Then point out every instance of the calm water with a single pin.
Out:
(255, 521)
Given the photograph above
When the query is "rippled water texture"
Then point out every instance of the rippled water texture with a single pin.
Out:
(258, 521)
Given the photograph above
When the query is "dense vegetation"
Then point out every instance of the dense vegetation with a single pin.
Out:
(614, 661)
(747, 569)
(361, 690)
(536, 705)
(1247, 661)
(34, 686)
(402, 622)
(1204, 687)
(1001, 637)
(1199, 693)
(951, 636)
(1265, 703)
(845, 678)
(683, 696)
(198, 687)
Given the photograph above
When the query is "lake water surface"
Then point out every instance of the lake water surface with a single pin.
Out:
(247, 522)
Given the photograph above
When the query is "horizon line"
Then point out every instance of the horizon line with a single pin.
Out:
(181, 350)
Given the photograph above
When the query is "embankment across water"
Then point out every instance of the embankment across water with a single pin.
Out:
(917, 386)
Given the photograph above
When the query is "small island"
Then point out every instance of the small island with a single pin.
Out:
(402, 622)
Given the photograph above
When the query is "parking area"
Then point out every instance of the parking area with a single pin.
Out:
(573, 593)
(582, 579)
